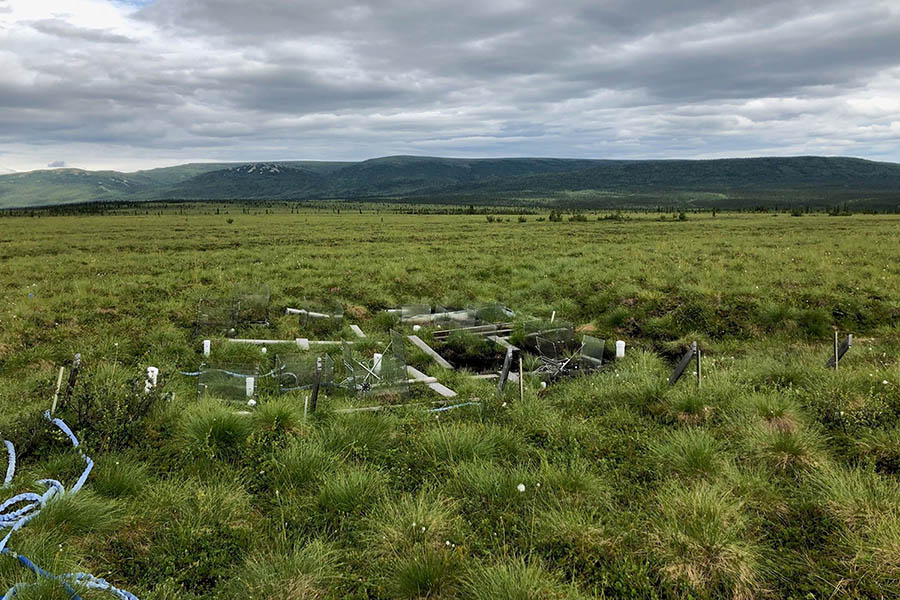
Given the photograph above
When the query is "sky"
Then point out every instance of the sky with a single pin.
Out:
(126, 85)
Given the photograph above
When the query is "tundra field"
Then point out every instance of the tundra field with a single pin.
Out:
(776, 478)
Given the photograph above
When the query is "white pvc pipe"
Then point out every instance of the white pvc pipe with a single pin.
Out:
(251, 386)
(620, 349)
(376, 362)
(152, 374)
(308, 313)
(206, 347)
(456, 315)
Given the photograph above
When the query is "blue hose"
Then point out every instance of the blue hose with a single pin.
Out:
(11, 465)
(17, 518)
(443, 408)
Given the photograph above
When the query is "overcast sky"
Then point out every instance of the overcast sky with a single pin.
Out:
(129, 85)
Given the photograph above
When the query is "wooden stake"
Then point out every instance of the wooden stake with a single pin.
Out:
(58, 386)
(73, 377)
(521, 381)
(315, 391)
(836, 351)
(699, 376)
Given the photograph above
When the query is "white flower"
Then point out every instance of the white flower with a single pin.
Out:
(885, 382)
(423, 530)
(521, 487)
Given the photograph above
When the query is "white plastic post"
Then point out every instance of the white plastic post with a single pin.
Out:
(251, 386)
(376, 363)
(620, 349)
(152, 374)
(206, 347)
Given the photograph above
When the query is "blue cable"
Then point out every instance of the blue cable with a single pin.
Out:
(18, 518)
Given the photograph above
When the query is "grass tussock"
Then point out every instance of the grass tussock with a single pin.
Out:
(702, 539)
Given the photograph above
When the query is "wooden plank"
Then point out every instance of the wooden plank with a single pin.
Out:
(357, 331)
(434, 385)
(502, 342)
(512, 376)
(420, 343)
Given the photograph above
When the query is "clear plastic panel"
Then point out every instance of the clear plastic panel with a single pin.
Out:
(592, 352)
(393, 378)
(298, 371)
(415, 312)
(321, 317)
(237, 383)
(250, 303)
(214, 318)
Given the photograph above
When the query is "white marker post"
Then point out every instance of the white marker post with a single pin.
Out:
(376, 363)
(152, 374)
(620, 349)
(251, 386)
(206, 347)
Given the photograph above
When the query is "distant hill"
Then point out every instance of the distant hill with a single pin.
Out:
(727, 183)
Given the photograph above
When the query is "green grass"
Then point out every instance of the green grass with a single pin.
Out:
(776, 478)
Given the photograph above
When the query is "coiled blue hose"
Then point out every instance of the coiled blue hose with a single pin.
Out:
(15, 518)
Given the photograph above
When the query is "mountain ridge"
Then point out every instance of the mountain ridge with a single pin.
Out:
(457, 180)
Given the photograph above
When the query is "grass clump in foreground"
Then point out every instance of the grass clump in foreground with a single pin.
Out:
(775, 479)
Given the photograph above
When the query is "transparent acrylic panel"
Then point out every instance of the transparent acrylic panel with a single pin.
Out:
(355, 375)
(237, 383)
(393, 378)
(416, 313)
(297, 371)
(493, 313)
(250, 303)
(214, 318)
(449, 318)
(320, 317)
(592, 352)
(557, 341)
(554, 333)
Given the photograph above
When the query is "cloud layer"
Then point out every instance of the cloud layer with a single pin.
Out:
(132, 85)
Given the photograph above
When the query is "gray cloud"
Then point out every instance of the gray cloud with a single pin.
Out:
(56, 164)
(235, 80)
(60, 28)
